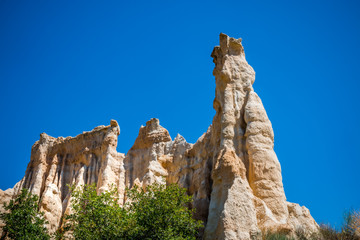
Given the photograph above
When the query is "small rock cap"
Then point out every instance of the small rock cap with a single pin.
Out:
(114, 123)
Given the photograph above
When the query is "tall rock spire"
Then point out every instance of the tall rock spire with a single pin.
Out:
(234, 78)
(231, 197)
(242, 142)
(243, 124)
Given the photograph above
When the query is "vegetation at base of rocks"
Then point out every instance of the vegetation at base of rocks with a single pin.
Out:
(276, 236)
(22, 218)
(95, 216)
(350, 230)
(160, 212)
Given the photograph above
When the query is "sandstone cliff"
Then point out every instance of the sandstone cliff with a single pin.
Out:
(232, 170)
(55, 163)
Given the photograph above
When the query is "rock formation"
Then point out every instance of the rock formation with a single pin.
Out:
(232, 170)
(55, 163)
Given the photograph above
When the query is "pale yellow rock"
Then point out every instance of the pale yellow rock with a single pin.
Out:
(55, 163)
(232, 212)
(232, 170)
(300, 218)
(264, 168)
(142, 161)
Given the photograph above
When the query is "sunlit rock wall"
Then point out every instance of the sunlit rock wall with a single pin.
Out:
(232, 170)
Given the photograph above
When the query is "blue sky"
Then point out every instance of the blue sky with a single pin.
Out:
(69, 66)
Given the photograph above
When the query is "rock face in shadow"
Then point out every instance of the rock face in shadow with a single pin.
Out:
(232, 170)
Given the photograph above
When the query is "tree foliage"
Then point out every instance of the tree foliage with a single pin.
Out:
(97, 216)
(160, 212)
(22, 218)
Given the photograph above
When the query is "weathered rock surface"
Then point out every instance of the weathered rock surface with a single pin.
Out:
(55, 163)
(141, 162)
(232, 170)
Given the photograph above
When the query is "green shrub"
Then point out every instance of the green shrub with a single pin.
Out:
(160, 212)
(276, 236)
(22, 218)
(96, 216)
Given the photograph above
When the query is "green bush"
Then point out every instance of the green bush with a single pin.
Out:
(96, 216)
(276, 236)
(22, 218)
(160, 212)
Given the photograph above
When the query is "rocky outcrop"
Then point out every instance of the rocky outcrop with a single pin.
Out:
(141, 163)
(57, 163)
(232, 170)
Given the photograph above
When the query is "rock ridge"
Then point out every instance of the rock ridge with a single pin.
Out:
(232, 170)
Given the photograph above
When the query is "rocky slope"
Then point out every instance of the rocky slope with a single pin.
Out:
(232, 170)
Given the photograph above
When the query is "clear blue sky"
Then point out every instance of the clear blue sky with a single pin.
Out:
(69, 66)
